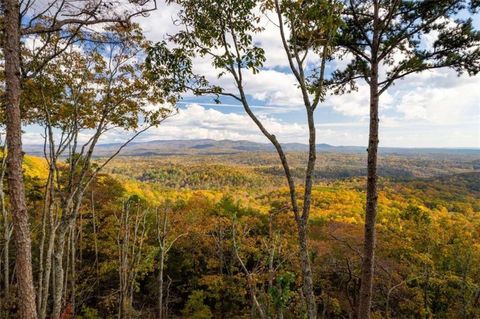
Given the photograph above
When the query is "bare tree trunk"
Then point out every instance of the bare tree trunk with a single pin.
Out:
(95, 239)
(167, 297)
(66, 270)
(162, 222)
(48, 271)
(41, 270)
(58, 275)
(45, 259)
(73, 258)
(250, 280)
(6, 226)
(302, 222)
(271, 255)
(160, 285)
(60, 282)
(370, 214)
(161, 234)
(306, 271)
(68, 219)
(125, 269)
(365, 302)
(21, 225)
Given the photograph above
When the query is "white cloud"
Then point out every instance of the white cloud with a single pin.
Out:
(197, 122)
(357, 103)
(442, 99)
(160, 22)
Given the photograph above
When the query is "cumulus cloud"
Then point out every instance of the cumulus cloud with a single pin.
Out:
(196, 121)
(357, 103)
(443, 99)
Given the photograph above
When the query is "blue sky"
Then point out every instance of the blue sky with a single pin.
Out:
(432, 109)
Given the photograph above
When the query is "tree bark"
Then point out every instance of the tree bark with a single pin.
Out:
(48, 270)
(160, 284)
(302, 222)
(308, 290)
(58, 275)
(21, 225)
(6, 227)
(161, 236)
(368, 262)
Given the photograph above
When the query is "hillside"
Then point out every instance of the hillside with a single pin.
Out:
(252, 169)
(427, 203)
(222, 147)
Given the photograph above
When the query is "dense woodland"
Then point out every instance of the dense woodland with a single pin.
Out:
(200, 225)
(273, 234)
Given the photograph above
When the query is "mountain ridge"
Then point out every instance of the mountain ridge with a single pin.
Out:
(227, 146)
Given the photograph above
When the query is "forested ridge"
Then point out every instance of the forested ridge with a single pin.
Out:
(428, 246)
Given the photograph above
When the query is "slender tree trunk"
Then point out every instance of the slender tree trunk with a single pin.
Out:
(41, 270)
(302, 223)
(167, 297)
(58, 274)
(95, 240)
(368, 262)
(258, 306)
(69, 215)
(73, 271)
(66, 270)
(44, 260)
(250, 280)
(306, 271)
(48, 271)
(161, 237)
(124, 262)
(271, 256)
(6, 227)
(160, 284)
(21, 225)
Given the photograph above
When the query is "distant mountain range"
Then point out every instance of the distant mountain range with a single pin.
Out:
(221, 147)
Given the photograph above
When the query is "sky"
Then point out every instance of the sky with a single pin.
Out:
(433, 109)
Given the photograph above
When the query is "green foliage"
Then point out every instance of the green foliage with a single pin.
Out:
(396, 40)
(281, 292)
(195, 307)
(416, 214)
(67, 93)
(89, 313)
(201, 177)
(221, 31)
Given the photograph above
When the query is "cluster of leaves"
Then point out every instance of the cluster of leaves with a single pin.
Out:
(94, 84)
(202, 177)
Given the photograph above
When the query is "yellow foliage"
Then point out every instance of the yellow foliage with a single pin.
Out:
(35, 167)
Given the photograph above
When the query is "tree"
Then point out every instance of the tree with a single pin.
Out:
(21, 226)
(69, 19)
(132, 234)
(195, 307)
(223, 31)
(165, 243)
(251, 283)
(385, 39)
(92, 90)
